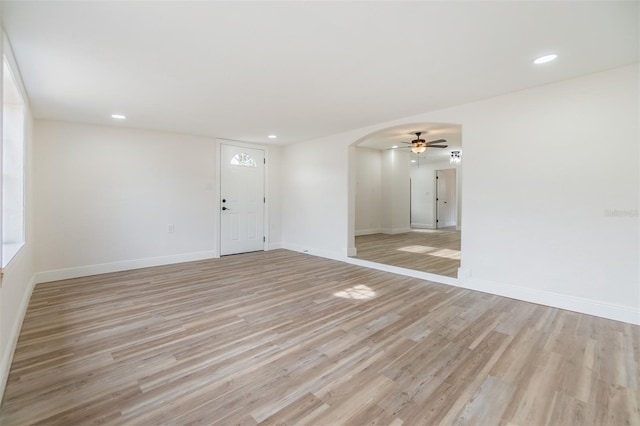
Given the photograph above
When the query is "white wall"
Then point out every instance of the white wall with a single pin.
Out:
(105, 197)
(381, 191)
(395, 193)
(17, 280)
(550, 191)
(314, 197)
(536, 216)
(368, 181)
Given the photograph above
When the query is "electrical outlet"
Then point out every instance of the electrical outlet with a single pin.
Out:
(170, 228)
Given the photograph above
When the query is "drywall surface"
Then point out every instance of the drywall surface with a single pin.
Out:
(368, 187)
(106, 195)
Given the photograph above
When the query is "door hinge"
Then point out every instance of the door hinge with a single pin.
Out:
(264, 199)
(264, 239)
(264, 161)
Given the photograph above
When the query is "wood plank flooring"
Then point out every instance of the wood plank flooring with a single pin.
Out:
(286, 338)
(435, 251)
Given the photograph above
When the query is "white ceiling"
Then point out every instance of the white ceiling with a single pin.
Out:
(301, 70)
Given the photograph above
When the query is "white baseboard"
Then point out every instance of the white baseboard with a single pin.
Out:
(555, 300)
(447, 224)
(9, 350)
(423, 225)
(359, 232)
(104, 268)
(395, 230)
(329, 254)
(404, 271)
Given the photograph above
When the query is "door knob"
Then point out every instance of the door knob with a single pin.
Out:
(224, 208)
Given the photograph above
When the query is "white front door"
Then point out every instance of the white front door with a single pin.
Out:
(241, 199)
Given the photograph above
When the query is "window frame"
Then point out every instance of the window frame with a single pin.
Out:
(9, 252)
(243, 159)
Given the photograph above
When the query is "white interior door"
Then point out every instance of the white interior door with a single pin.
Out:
(241, 199)
(445, 198)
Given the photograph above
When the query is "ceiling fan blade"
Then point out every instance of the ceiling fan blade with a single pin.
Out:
(437, 141)
(438, 146)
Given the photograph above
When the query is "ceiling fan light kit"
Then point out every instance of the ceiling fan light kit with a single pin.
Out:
(418, 146)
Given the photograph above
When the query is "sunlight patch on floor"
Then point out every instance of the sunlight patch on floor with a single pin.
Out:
(418, 249)
(358, 292)
(432, 251)
(447, 253)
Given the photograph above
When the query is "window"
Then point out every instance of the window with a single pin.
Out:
(244, 160)
(13, 115)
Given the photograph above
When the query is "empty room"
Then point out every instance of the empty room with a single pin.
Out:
(320, 213)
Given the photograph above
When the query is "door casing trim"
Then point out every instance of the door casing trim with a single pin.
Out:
(217, 191)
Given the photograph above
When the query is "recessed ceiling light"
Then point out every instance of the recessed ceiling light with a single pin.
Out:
(272, 136)
(394, 147)
(118, 116)
(545, 59)
(413, 161)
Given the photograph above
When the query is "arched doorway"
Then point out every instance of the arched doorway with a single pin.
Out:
(395, 200)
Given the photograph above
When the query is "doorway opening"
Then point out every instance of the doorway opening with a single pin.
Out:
(408, 205)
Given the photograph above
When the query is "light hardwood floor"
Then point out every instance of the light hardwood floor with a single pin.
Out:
(435, 251)
(285, 338)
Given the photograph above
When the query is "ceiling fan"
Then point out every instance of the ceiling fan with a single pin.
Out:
(418, 146)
